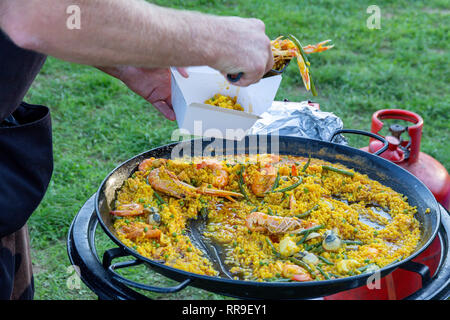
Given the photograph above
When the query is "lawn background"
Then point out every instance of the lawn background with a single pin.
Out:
(98, 123)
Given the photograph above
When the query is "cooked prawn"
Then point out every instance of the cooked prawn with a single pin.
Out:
(128, 210)
(294, 272)
(317, 47)
(258, 221)
(284, 50)
(220, 179)
(167, 182)
(269, 159)
(135, 231)
(263, 180)
(150, 163)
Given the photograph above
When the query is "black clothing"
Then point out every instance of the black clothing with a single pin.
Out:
(26, 165)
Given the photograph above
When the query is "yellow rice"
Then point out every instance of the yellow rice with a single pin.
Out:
(222, 101)
(249, 255)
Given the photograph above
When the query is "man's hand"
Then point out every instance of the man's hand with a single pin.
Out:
(151, 84)
(243, 47)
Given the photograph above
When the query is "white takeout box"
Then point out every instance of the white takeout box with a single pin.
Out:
(199, 119)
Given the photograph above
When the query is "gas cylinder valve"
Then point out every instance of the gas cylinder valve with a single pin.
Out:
(406, 153)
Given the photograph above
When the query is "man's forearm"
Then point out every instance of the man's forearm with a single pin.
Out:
(134, 32)
(113, 32)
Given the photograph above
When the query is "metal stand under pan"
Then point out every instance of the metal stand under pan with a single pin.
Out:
(100, 274)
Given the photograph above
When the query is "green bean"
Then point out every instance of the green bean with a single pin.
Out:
(311, 229)
(159, 199)
(356, 242)
(303, 239)
(318, 249)
(330, 168)
(313, 87)
(313, 246)
(291, 187)
(302, 53)
(269, 211)
(328, 262)
(241, 184)
(303, 265)
(277, 181)
(299, 46)
(306, 165)
(308, 212)
(274, 251)
(363, 268)
(326, 276)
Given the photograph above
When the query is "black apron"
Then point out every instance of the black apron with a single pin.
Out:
(26, 165)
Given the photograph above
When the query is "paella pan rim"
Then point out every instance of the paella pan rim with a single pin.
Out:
(349, 281)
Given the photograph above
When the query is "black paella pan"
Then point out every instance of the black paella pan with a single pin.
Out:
(374, 166)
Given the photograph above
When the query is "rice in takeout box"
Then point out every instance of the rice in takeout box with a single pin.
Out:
(200, 119)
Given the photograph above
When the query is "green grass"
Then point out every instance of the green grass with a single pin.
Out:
(98, 123)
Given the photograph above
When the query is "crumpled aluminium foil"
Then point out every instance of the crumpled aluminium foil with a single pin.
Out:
(298, 119)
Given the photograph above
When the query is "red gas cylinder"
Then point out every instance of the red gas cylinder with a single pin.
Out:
(406, 153)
